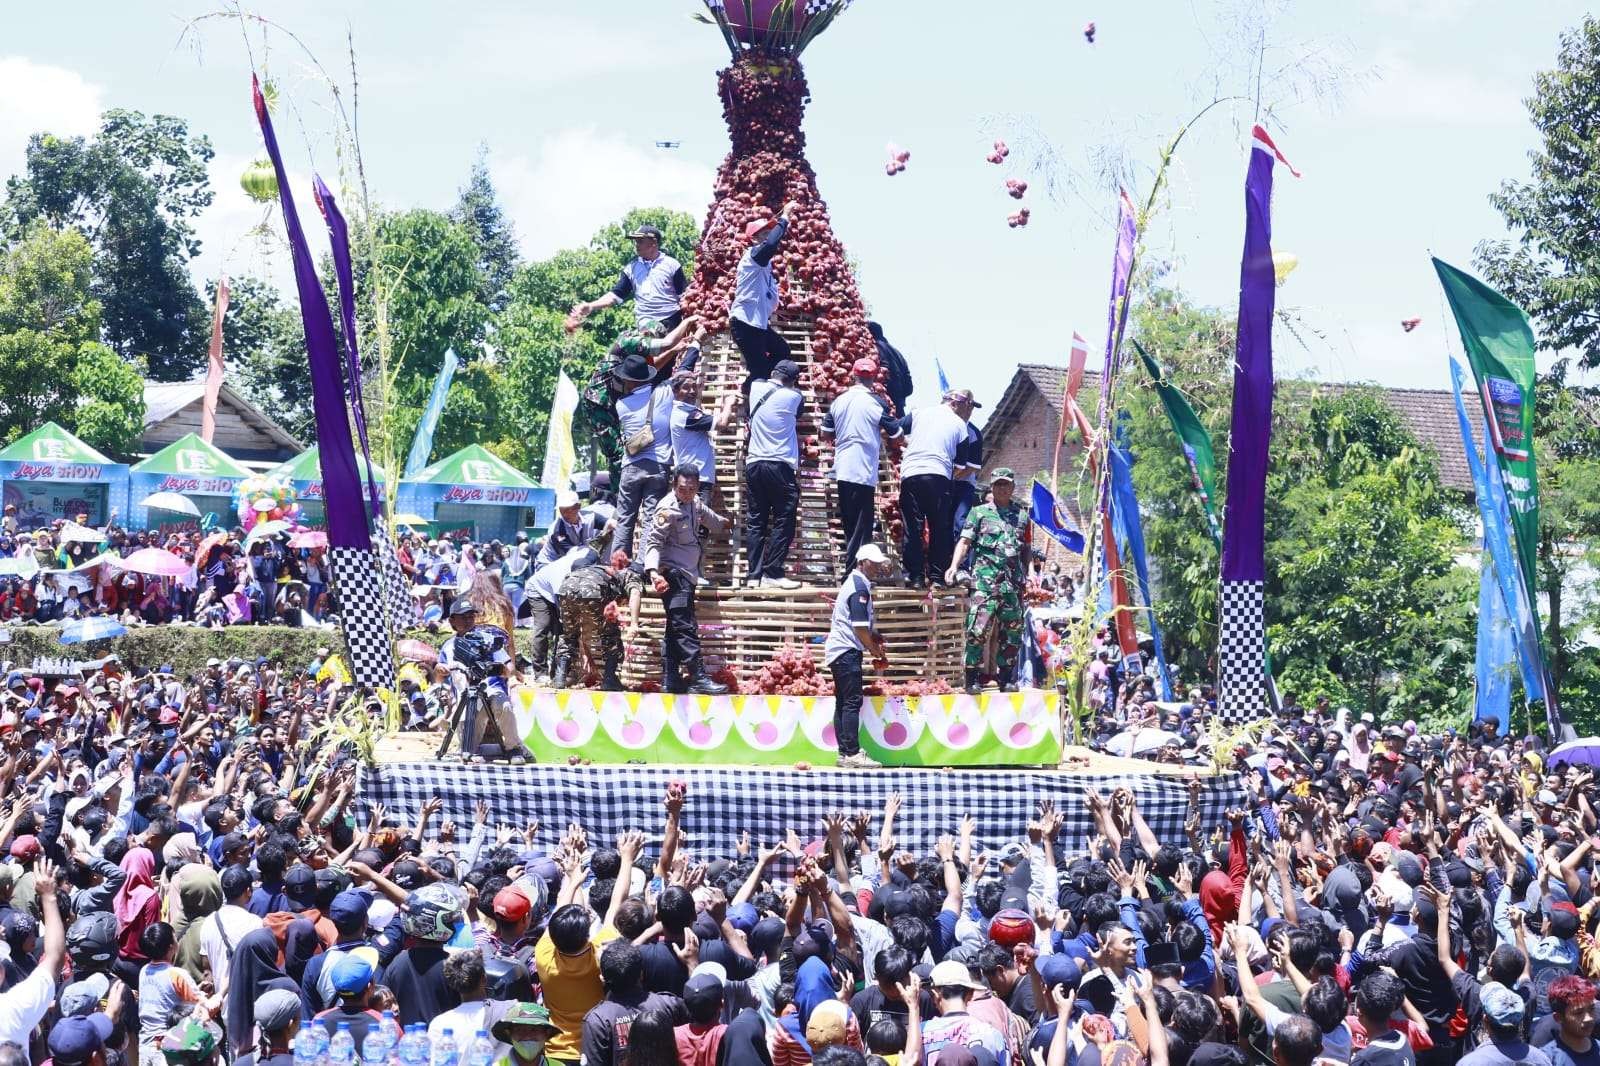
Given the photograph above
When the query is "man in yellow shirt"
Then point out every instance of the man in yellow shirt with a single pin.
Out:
(568, 962)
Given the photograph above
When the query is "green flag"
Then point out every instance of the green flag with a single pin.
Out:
(1194, 438)
(1499, 346)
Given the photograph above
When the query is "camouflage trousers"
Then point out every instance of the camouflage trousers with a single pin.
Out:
(584, 629)
(996, 612)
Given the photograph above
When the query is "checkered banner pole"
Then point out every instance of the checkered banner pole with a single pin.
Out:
(724, 801)
(351, 557)
(1241, 614)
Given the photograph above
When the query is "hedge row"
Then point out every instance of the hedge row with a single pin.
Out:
(184, 648)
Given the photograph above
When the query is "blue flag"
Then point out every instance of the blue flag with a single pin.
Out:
(422, 443)
(1497, 651)
(944, 382)
(1130, 533)
(1048, 516)
(1495, 515)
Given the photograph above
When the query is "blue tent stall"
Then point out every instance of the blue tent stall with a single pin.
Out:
(50, 474)
(478, 493)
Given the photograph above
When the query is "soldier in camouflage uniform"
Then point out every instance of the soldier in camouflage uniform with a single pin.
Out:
(585, 629)
(995, 541)
(597, 407)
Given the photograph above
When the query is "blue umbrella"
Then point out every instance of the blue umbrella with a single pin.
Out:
(96, 627)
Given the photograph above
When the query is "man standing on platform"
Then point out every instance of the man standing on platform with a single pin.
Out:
(927, 468)
(674, 542)
(851, 637)
(772, 477)
(857, 421)
(571, 529)
(996, 540)
(654, 281)
(692, 426)
(586, 629)
(964, 488)
(645, 416)
(755, 298)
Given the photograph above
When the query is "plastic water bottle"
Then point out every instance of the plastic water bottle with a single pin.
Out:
(375, 1048)
(391, 1032)
(342, 1048)
(412, 1050)
(481, 1051)
(305, 1046)
(323, 1039)
(445, 1052)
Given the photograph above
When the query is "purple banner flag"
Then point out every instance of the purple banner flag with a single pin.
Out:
(1242, 623)
(344, 273)
(350, 554)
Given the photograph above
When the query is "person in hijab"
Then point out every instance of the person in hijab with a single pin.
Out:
(199, 891)
(745, 1042)
(300, 944)
(254, 972)
(137, 904)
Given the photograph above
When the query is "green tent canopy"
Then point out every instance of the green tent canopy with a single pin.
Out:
(307, 466)
(474, 465)
(190, 456)
(50, 444)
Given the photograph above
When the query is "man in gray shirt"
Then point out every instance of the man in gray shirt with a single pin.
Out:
(673, 545)
(851, 637)
(771, 477)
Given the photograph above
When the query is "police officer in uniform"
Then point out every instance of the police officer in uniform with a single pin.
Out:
(673, 545)
(995, 540)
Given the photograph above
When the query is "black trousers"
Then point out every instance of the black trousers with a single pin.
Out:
(925, 507)
(761, 349)
(847, 702)
(546, 628)
(683, 630)
(963, 494)
(769, 516)
(858, 513)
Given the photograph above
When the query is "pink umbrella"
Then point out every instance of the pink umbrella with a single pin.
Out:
(155, 563)
(309, 538)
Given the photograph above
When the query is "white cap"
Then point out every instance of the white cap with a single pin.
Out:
(870, 553)
(712, 969)
(566, 498)
(380, 912)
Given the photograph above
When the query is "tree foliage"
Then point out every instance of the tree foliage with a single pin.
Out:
(56, 368)
(131, 192)
(1552, 266)
(1365, 601)
(478, 209)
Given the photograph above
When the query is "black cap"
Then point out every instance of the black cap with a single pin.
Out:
(645, 230)
(462, 605)
(787, 369)
(634, 368)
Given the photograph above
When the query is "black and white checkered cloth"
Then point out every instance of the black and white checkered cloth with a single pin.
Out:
(1242, 652)
(403, 612)
(766, 802)
(363, 617)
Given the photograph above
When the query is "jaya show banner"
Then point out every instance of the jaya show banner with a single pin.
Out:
(996, 729)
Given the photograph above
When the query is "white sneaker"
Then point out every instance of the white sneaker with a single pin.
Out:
(859, 761)
(782, 583)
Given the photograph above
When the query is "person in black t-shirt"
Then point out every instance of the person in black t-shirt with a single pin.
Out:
(882, 1000)
(1378, 998)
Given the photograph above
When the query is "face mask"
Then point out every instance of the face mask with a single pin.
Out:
(528, 1049)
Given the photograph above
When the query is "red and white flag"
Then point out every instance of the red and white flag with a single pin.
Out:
(208, 413)
(1264, 143)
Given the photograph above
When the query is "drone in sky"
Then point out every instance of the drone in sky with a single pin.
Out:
(669, 144)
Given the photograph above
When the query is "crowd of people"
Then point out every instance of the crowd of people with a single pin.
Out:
(190, 877)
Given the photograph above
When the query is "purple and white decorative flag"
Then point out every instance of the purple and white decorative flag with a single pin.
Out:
(1241, 615)
(350, 554)
(402, 607)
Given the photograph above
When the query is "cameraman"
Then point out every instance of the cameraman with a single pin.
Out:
(477, 658)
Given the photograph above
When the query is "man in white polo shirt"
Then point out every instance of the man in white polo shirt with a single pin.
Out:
(927, 469)
(644, 414)
(772, 477)
(851, 637)
(652, 279)
(858, 421)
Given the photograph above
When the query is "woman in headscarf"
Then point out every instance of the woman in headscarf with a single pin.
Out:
(199, 894)
(745, 1042)
(137, 904)
(254, 970)
(300, 943)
